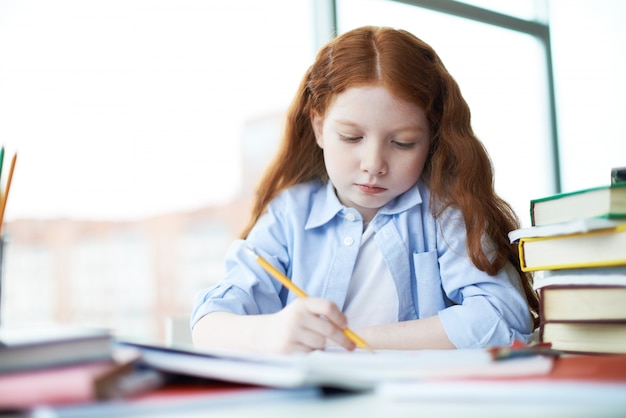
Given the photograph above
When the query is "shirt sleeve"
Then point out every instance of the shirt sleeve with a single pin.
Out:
(487, 310)
(246, 288)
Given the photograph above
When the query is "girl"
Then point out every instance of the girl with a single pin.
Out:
(380, 205)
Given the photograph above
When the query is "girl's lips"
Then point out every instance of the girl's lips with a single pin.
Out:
(369, 189)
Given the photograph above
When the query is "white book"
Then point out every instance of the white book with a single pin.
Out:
(564, 228)
(600, 276)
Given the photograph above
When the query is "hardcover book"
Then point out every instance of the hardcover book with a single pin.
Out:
(32, 348)
(601, 248)
(604, 201)
(565, 228)
(599, 276)
(585, 337)
(582, 303)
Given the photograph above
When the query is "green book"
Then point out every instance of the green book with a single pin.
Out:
(596, 202)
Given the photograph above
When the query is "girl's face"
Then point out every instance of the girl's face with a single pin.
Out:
(375, 146)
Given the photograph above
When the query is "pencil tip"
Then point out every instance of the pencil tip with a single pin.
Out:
(250, 251)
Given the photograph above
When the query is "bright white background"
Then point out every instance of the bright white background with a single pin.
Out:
(589, 49)
(128, 108)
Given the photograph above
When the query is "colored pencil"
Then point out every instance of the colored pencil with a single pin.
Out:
(1, 160)
(5, 195)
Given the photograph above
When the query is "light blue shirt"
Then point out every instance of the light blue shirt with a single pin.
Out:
(311, 237)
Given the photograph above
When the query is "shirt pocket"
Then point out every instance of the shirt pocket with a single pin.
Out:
(430, 295)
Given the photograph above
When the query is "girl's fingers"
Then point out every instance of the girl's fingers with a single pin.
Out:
(326, 309)
(322, 321)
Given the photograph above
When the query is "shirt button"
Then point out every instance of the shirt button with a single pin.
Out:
(348, 241)
(350, 216)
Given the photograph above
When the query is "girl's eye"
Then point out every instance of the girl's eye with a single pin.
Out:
(404, 145)
(347, 138)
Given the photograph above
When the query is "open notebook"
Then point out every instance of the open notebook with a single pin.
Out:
(337, 368)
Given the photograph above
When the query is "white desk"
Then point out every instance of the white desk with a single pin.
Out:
(370, 405)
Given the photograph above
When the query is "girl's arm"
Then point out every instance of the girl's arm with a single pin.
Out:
(303, 325)
(427, 333)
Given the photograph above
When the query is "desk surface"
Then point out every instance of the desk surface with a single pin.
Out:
(371, 405)
(578, 386)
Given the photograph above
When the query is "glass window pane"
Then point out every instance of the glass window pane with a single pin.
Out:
(589, 49)
(502, 76)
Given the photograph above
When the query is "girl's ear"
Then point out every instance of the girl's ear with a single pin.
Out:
(317, 123)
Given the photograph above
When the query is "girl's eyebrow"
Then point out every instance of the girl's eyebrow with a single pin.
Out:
(415, 128)
(346, 123)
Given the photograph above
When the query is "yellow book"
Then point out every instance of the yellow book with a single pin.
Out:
(600, 248)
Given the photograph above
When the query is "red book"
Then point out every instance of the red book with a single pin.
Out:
(54, 386)
(574, 379)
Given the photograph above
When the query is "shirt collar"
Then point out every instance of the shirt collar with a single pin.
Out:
(326, 205)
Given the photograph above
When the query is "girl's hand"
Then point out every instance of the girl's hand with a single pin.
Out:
(304, 325)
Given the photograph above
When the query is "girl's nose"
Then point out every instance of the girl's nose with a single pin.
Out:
(373, 161)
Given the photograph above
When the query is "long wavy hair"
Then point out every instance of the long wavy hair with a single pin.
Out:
(458, 170)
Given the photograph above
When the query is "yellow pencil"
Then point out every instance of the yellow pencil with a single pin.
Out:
(284, 280)
(5, 196)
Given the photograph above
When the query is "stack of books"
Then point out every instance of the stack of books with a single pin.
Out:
(577, 248)
(62, 365)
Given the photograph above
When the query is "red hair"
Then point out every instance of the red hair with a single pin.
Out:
(458, 170)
